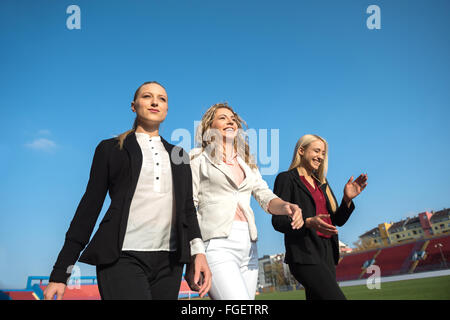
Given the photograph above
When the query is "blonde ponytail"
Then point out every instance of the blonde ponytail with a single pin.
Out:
(121, 137)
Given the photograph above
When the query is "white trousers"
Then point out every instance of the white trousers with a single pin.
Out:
(233, 262)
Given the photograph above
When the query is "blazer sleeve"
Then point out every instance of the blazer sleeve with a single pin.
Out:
(86, 215)
(191, 212)
(342, 214)
(195, 167)
(261, 191)
(283, 189)
(196, 244)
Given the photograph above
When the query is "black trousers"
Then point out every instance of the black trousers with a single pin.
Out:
(137, 275)
(319, 280)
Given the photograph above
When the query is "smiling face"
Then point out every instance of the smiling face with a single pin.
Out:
(150, 104)
(313, 155)
(225, 122)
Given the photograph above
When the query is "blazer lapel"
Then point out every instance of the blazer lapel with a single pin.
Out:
(176, 169)
(168, 148)
(299, 182)
(135, 153)
(177, 173)
(224, 169)
(247, 171)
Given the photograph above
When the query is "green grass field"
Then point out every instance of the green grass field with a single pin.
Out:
(436, 288)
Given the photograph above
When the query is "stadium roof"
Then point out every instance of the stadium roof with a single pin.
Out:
(398, 226)
(373, 232)
(440, 215)
(413, 220)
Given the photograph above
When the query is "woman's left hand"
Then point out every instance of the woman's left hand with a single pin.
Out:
(353, 188)
(198, 275)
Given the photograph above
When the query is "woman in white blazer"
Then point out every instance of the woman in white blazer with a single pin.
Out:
(224, 177)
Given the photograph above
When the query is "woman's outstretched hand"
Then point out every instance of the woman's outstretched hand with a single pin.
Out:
(318, 224)
(353, 188)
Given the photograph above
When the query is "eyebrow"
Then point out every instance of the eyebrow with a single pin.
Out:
(160, 95)
(225, 115)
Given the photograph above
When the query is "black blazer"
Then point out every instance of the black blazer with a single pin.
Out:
(303, 245)
(117, 171)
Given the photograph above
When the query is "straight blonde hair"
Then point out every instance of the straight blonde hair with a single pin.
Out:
(321, 174)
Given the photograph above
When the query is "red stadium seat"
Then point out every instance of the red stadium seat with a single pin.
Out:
(351, 265)
(85, 292)
(395, 260)
(21, 295)
(433, 259)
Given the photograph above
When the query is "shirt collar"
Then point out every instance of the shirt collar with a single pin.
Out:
(145, 136)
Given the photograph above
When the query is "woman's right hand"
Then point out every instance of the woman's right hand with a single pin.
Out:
(318, 224)
(54, 288)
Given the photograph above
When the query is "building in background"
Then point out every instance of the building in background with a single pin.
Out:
(274, 274)
(424, 225)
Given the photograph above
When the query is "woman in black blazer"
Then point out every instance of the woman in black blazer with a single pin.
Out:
(313, 250)
(116, 168)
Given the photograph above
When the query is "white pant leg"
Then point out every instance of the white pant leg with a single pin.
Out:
(233, 262)
(249, 271)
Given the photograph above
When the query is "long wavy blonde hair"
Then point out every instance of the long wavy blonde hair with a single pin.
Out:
(121, 137)
(207, 139)
(321, 173)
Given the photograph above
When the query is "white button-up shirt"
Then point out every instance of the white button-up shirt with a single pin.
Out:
(151, 221)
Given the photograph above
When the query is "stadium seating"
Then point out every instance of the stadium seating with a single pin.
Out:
(351, 265)
(396, 260)
(391, 260)
(433, 259)
(185, 291)
(83, 292)
(21, 295)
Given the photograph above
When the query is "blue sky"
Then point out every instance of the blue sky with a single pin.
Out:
(379, 97)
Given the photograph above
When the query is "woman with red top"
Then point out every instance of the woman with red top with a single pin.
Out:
(313, 250)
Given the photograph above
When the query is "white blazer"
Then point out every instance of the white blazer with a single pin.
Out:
(216, 197)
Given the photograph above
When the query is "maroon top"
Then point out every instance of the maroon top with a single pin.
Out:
(320, 201)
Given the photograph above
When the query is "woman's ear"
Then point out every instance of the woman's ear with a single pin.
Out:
(301, 151)
(132, 107)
